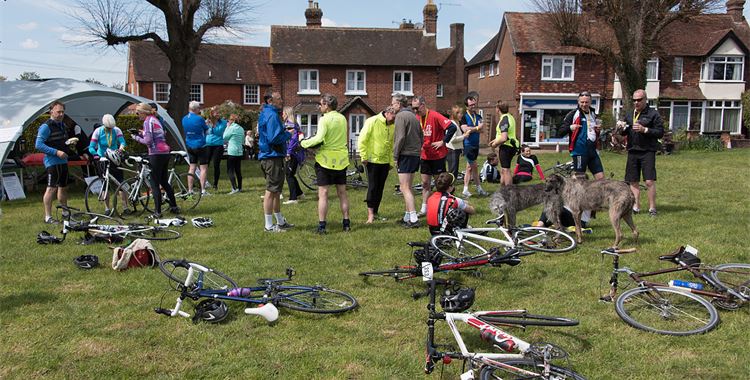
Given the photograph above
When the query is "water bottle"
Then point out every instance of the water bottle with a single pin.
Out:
(686, 284)
(239, 292)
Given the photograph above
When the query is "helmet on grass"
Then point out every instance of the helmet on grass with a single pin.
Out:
(211, 311)
(86, 261)
(114, 157)
(456, 218)
(457, 300)
(202, 222)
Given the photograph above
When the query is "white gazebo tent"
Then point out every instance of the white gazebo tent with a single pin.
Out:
(21, 102)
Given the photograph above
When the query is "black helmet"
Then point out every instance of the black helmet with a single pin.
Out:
(86, 261)
(457, 300)
(456, 218)
(211, 311)
(428, 254)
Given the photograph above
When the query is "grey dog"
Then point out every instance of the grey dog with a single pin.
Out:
(580, 194)
(509, 200)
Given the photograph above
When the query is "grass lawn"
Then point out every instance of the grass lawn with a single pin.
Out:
(57, 321)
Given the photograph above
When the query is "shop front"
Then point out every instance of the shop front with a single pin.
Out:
(542, 115)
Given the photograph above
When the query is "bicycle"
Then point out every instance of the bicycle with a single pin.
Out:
(464, 243)
(195, 281)
(99, 191)
(530, 361)
(109, 229)
(672, 310)
(355, 176)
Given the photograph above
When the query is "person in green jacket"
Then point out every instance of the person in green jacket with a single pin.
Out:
(234, 135)
(375, 145)
(331, 160)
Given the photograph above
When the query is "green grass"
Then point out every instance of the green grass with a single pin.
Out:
(61, 322)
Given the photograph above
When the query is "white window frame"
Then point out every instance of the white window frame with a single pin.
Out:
(247, 99)
(616, 108)
(723, 105)
(403, 82)
(481, 71)
(549, 61)
(199, 98)
(440, 90)
(305, 128)
(679, 62)
(492, 69)
(706, 67)
(653, 61)
(309, 89)
(161, 93)
(356, 91)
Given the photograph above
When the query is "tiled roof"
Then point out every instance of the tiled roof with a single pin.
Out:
(352, 46)
(686, 93)
(531, 33)
(222, 61)
(487, 52)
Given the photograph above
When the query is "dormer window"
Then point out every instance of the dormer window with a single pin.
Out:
(723, 68)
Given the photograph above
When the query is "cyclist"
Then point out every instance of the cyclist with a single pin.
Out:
(195, 138)
(524, 166)
(441, 201)
(215, 142)
(107, 136)
(233, 135)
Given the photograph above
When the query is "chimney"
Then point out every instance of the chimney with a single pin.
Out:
(313, 14)
(735, 8)
(457, 42)
(406, 24)
(430, 13)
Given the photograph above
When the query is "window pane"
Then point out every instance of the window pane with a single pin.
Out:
(546, 71)
(731, 120)
(677, 69)
(557, 69)
(568, 72)
(651, 73)
(717, 71)
(680, 117)
(713, 120)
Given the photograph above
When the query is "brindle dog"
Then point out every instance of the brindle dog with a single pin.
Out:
(509, 200)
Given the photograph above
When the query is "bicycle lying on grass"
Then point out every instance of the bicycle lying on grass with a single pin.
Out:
(105, 228)
(531, 361)
(676, 310)
(195, 281)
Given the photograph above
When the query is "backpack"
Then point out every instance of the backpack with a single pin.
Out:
(139, 253)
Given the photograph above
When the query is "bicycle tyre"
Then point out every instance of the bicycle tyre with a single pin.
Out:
(660, 303)
(732, 276)
(185, 199)
(456, 249)
(313, 299)
(544, 239)
(138, 199)
(523, 319)
(490, 373)
(177, 270)
(399, 273)
(97, 202)
(153, 233)
(306, 174)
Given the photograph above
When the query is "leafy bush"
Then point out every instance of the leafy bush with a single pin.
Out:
(246, 118)
(706, 143)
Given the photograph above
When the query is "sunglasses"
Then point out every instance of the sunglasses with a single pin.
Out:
(637, 99)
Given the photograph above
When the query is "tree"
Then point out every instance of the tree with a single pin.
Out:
(29, 75)
(3, 78)
(118, 86)
(624, 32)
(177, 27)
(94, 81)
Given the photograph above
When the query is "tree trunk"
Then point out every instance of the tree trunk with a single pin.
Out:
(182, 62)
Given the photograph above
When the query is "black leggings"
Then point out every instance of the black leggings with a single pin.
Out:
(214, 154)
(160, 177)
(376, 176)
(291, 172)
(234, 170)
(453, 157)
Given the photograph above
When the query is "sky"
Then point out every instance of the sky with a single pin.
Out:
(41, 36)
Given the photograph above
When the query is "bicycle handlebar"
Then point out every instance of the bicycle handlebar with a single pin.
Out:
(613, 251)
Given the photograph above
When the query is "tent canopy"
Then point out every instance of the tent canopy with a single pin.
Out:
(21, 102)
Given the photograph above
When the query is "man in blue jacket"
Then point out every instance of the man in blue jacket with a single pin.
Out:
(51, 140)
(272, 141)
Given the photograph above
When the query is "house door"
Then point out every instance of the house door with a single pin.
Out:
(356, 122)
(530, 127)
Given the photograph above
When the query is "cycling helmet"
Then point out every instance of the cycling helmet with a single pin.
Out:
(45, 237)
(86, 261)
(457, 300)
(428, 254)
(211, 311)
(456, 218)
(114, 157)
(202, 222)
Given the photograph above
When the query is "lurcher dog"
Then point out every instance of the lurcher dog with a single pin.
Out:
(509, 200)
(580, 194)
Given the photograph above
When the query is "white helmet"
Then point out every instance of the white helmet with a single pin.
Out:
(202, 222)
(114, 157)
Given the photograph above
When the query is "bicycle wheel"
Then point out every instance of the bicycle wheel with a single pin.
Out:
(398, 273)
(555, 372)
(306, 174)
(544, 239)
(314, 299)
(99, 196)
(453, 248)
(523, 319)
(732, 276)
(152, 233)
(138, 197)
(186, 200)
(177, 271)
(667, 311)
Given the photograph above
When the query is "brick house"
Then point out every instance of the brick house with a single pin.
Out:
(696, 81)
(363, 67)
(222, 72)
